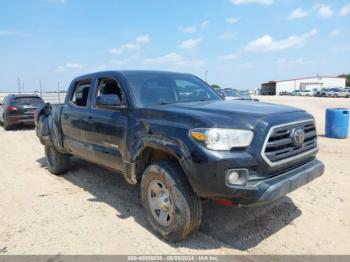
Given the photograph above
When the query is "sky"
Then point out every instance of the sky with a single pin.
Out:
(233, 43)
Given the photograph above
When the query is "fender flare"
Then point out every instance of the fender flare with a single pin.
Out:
(173, 147)
(48, 129)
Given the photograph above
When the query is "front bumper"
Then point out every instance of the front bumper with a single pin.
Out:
(285, 183)
(262, 189)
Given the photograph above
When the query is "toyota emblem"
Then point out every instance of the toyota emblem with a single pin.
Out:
(298, 136)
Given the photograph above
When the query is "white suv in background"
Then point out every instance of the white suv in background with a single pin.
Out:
(338, 92)
(305, 93)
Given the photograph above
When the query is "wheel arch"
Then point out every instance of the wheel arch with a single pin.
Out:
(150, 149)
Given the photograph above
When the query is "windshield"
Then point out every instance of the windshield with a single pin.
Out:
(168, 88)
(231, 92)
(32, 101)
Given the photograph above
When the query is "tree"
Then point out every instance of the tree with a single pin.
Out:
(215, 86)
(347, 76)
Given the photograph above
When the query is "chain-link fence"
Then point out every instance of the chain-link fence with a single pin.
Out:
(49, 97)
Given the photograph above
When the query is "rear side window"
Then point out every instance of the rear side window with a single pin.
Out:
(30, 101)
(80, 94)
(107, 86)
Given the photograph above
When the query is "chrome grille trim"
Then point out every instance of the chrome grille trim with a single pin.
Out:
(294, 157)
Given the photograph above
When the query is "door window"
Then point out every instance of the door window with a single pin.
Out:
(107, 86)
(80, 95)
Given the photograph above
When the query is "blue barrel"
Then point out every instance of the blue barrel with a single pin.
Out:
(337, 123)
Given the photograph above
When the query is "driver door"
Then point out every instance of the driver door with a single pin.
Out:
(106, 130)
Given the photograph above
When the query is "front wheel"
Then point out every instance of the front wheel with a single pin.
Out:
(57, 162)
(173, 209)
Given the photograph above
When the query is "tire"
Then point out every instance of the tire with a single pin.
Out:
(183, 210)
(57, 163)
(6, 124)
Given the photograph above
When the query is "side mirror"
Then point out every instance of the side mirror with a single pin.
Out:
(108, 101)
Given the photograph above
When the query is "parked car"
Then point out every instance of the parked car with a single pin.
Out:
(18, 109)
(232, 94)
(338, 92)
(172, 134)
(294, 93)
(220, 92)
(284, 93)
(305, 93)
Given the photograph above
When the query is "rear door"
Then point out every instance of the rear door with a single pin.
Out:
(74, 118)
(107, 127)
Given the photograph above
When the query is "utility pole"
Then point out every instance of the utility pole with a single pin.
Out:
(40, 88)
(58, 92)
(19, 85)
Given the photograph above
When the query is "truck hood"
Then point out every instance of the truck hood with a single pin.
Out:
(236, 113)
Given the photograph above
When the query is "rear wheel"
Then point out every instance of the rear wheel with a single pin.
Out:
(57, 162)
(7, 125)
(173, 209)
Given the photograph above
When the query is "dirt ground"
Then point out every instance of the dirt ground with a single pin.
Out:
(92, 211)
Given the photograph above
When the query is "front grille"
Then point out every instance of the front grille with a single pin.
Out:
(279, 145)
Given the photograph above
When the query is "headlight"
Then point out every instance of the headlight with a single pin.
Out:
(222, 139)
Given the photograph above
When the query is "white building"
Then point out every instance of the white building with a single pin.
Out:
(307, 83)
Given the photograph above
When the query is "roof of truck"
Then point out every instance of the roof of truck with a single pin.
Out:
(127, 72)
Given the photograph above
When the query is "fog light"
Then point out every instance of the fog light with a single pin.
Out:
(233, 177)
(236, 177)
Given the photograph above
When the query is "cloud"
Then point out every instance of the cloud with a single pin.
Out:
(345, 10)
(262, 2)
(298, 61)
(335, 32)
(228, 57)
(297, 14)
(190, 43)
(267, 44)
(68, 66)
(60, 69)
(232, 20)
(344, 48)
(205, 24)
(166, 59)
(74, 66)
(194, 28)
(188, 29)
(144, 39)
(11, 33)
(56, 1)
(173, 59)
(123, 48)
(246, 65)
(324, 11)
(119, 62)
(227, 35)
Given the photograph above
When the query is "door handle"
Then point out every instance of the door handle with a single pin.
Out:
(65, 116)
(90, 118)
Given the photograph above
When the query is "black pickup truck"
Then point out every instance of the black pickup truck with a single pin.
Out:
(183, 143)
